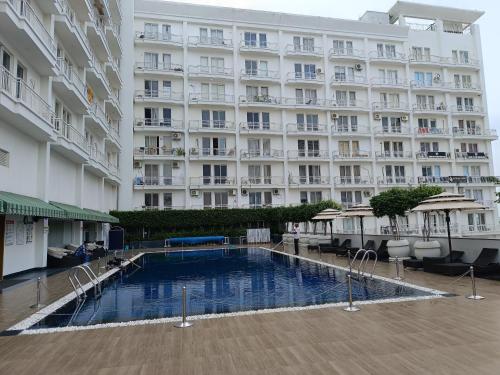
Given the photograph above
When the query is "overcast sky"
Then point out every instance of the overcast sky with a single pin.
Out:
(339, 9)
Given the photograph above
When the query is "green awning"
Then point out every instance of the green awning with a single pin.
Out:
(103, 217)
(76, 213)
(16, 204)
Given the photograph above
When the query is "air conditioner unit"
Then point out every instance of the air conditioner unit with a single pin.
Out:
(367, 193)
(137, 164)
(176, 136)
(404, 118)
(318, 71)
(376, 116)
(276, 191)
(437, 77)
(233, 192)
(334, 116)
(195, 193)
(244, 192)
(358, 67)
(176, 164)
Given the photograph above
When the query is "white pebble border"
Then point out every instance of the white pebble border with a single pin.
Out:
(40, 315)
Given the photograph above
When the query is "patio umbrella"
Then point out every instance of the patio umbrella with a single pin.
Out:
(329, 215)
(361, 211)
(447, 202)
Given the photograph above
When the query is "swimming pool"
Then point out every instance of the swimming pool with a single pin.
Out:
(218, 281)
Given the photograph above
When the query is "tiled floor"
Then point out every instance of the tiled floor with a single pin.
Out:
(445, 336)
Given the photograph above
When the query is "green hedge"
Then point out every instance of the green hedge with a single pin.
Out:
(156, 225)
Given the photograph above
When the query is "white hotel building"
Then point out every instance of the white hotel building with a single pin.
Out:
(244, 108)
(59, 125)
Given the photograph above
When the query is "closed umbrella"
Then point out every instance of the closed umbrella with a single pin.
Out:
(447, 202)
(327, 215)
(361, 211)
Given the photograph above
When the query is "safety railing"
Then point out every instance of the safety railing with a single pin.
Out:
(305, 127)
(264, 154)
(159, 37)
(219, 125)
(159, 95)
(71, 76)
(210, 70)
(158, 181)
(71, 134)
(209, 41)
(346, 53)
(205, 152)
(308, 180)
(260, 99)
(352, 180)
(262, 180)
(261, 127)
(210, 98)
(165, 123)
(260, 74)
(159, 67)
(359, 154)
(308, 154)
(213, 181)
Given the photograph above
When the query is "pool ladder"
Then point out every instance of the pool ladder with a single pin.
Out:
(362, 264)
(77, 285)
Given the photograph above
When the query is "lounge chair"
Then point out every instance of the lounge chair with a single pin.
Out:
(382, 254)
(369, 245)
(344, 248)
(484, 264)
(429, 261)
(329, 247)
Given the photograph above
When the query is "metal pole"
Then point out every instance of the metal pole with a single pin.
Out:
(474, 295)
(99, 266)
(351, 307)
(349, 260)
(362, 234)
(447, 213)
(38, 304)
(184, 323)
(397, 270)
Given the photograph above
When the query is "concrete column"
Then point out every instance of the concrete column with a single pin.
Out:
(43, 171)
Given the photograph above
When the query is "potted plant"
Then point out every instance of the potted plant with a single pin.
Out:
(393, 203)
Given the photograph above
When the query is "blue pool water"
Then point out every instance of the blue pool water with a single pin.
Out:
(218, 281)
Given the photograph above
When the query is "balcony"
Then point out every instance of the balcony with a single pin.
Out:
(434, 85)
(349, 81)
(349, 181)
(262, 181)
(312, 78)
(154, 125)
(467, 110)
(392, 83)
(212, 181)
(212, 126)
(305, 103)
(96, 33)
(352, 155)
(155, 153)
(468, 156)
(113, 135)
(97, 163)
(308, 180)
(474, 230)
(435, 180)
(426, 60)
(346, 54)
(300, 155)
(167, 70)
(350, 130)
(70, 142)
(69, 86)
(434, 155)
(306, 129)
(349, 105)
(97, 79)
(159, 182)
(113, 38)
(211, 72)
(83, 9)
(473, 180)
(211, 99)
(28, 34)
(461, 62)
(260, 75)
(208, 42)
(113, 72)
(432, 132)
(261, 127)
(165, 39)
(270, 155)
(393, 131)
(69, 32)
(463, 87)
(23, 107)
(394, 58)
(390, 107)
(259, 101)
(430, 109)
(474, 132)
(392, 181)
(212, 153)
(394, 155)
(303, 50)
(112, 106)
(162, 96)
(260, 47)
(96, 118)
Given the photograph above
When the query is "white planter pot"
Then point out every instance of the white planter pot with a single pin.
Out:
(398, 248)
(431, 249)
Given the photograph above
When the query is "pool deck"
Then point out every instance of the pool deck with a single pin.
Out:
(451, 335)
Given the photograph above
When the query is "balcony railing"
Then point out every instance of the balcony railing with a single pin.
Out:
(347, 104)
(261, 127)
(432, 84)
(20, 91)
(397, 56)
(431, 131)
(428, 59)
(303, 49)
(72, 77)
(151, 123)
(262, 180)
(98, 113)
(158, 181)
(262, 74)
(346, 53)
(464, 86)
(352, 180)
(261, 154)
(212, 180)
(70, 134)
(260, 99)
(478, 228)
(359, 154)
(159, 36)
(421, 26)
(459, 179)
(461, 61)
(159, 151)
(308, 154)
(348, 80)
(212, 152)
(308, 180)
(211, 125)
(385, 155)
(204, 70)
(208, 41)
(73, 20)
(398, 106)
(305, 77)
(392, 130)
(307, 128)
(210, 98)
(474, 132)
(467, 109)
(471, 155)
(259, 46)
(401, 180)
(433, 155)
(350, 129)
(433, 180)
(425, 107)
(159, 95)
(313, 102)
(392, 82)
(159, 67)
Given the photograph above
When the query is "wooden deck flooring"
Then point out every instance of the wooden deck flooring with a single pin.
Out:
(444, 336)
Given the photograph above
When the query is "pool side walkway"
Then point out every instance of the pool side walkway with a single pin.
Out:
(442, 336)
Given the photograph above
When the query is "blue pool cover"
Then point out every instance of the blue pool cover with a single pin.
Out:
(218, 281)
(195, 240)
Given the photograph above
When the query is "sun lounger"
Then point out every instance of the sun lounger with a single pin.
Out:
(343, 248)
(484, 264)
(329, 247)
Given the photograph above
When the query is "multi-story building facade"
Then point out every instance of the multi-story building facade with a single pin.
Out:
(243, 108)
(60, 119)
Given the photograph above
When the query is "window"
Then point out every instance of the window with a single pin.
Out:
(250, 39)
(207, 199)
(307, 44)
(460, 57)
(303, 197)
(341, 47)
(4, 158)
(255, 199)
(151, 200)
(251, 67)
(150, 60)
(166, 32)
(315, 197)
(151, 30)
(167, 201)
(221, 199)
(151, 88)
